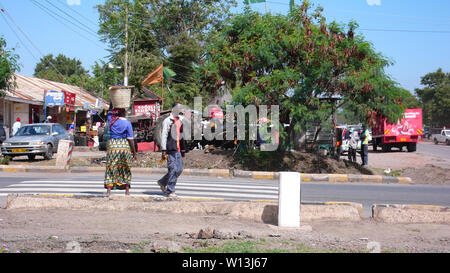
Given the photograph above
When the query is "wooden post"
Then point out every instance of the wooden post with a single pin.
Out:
(162, 94)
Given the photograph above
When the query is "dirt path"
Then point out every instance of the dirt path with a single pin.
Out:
(140, 231)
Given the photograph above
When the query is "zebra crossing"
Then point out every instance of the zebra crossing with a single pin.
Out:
(186, 187)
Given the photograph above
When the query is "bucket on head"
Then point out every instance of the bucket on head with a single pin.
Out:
(120, 96)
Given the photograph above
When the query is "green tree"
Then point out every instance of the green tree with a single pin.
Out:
(58, 68)
(170, 32)
(8, 66)
(435, 98)
(409, 100)
(307, 67)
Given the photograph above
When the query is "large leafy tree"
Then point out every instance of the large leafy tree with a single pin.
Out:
(435, 98)
(58, 68)
(306, 66)
(8, 66)
(71, 71)
(170, 32)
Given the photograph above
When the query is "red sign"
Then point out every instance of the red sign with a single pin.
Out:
(69, 98)
(150, 107)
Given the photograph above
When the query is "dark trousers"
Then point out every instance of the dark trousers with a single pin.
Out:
(175, 168)
(365, 154)
(352, 155)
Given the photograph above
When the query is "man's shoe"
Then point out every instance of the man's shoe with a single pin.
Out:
(171, 195)
(163, 188)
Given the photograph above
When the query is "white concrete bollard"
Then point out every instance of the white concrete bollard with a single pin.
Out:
(64, 153)
(289, 200)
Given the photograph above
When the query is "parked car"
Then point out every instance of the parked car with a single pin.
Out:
(35, 139)
(443, 137)
(2, 133)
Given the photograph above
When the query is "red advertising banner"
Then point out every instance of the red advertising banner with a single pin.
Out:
(150, 107)
(69, 98)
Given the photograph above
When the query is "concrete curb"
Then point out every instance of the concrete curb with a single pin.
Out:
(305, 177)
(194, 172)
(394, 213)
(258, 211)
(22, 168)
(332, 178)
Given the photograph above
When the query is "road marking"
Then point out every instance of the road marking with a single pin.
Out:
(183, 189)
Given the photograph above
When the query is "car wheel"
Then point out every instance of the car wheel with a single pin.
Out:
(436, 141)
(447, 142)
(31, 157)
(49, 154)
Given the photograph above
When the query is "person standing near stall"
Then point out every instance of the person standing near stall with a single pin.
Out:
(120, 151)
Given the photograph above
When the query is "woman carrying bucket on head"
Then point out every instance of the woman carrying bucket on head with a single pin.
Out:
(120, 152)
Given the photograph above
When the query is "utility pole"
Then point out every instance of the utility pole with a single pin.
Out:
(125, 80)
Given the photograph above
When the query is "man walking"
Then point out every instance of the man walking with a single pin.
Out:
(365, 138)
(172, 147)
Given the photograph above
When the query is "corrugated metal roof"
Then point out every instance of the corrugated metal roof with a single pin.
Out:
(32, 89)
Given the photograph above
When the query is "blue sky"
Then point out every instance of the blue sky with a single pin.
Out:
(414, 34)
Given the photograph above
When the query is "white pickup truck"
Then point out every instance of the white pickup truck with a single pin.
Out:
(443, 137)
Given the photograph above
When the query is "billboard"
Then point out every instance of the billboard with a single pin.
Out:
(54, 98)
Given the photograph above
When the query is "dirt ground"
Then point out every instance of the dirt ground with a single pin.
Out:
(58, 231)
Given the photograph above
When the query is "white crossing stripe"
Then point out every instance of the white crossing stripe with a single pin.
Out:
(225, 189)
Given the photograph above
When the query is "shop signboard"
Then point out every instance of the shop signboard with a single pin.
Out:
(147, 107)
(54, 98)
(69, 98)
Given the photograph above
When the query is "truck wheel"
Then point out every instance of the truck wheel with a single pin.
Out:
(412, 147)
(31, 157)
(436, 141)
(385, 148)
(374, 145)
(447, 142)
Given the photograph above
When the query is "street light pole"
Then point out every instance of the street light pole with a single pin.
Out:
(125, 80)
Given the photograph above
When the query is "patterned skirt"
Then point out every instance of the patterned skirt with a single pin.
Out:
(118, 164)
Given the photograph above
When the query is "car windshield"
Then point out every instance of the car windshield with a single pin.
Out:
(447, 132)
(34, 130)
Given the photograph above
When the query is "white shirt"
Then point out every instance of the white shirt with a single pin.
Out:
(16, 127)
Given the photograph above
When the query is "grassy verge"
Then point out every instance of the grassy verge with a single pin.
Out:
(259, 246)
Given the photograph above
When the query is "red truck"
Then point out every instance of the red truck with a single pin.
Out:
(406, 132)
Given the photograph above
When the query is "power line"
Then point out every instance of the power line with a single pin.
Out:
(88, 28)
(391, 15)
(406, 30)
(43, 8)
(28, 38)
(67, 6)
(18, 37)
(50, 12)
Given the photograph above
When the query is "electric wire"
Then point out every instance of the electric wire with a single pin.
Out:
(28, 38)
(86, 27)
(64, 24)
(18, 37)
(73, 10)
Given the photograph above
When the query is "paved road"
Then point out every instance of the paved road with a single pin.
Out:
(233, 189)
(440, 150)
